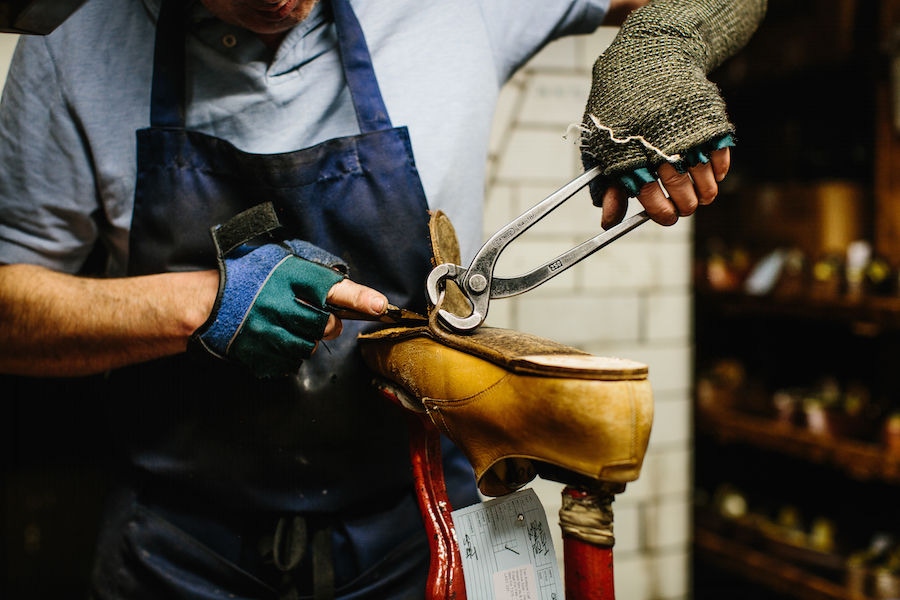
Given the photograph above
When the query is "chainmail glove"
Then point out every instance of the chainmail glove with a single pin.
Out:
(270, 311)
(651, 101)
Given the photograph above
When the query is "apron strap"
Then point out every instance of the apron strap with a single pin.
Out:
(371, 112)
(167, 96)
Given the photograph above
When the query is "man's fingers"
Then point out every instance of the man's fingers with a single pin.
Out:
(333, 328)
(704, 183)
(681, 189)
(707, 176)
(661, 209)
(615, 205)
(679, 196)
(721, 162)
(349, 294)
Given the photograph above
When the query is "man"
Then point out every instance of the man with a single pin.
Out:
(260, 463)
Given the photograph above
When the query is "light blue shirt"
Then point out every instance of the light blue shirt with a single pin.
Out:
(74, 99)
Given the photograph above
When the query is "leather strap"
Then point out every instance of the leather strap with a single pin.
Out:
(252, 223)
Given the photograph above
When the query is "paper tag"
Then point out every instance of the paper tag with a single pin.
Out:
(507, 550)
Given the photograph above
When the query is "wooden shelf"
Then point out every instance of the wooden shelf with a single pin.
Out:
(860, 460)
(772, 572)
(781, 196)
(867, 315)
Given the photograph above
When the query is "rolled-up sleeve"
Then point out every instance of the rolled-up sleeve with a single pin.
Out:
(48, 199)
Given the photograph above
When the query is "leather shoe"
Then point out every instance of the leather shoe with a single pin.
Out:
(519, 405)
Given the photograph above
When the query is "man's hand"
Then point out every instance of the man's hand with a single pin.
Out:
(653, 116)
(270, 312)
(697, 187)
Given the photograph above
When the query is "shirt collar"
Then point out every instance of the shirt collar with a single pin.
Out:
(210, 28)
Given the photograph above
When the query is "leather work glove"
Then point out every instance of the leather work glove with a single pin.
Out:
(269, 313)
(650, 99)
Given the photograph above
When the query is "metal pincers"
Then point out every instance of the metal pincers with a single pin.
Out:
(478, 283)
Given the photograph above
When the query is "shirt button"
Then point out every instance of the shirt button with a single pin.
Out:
(229, 40)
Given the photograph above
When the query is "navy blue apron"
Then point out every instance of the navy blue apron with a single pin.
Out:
(223, 457)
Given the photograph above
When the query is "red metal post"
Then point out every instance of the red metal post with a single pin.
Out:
(586, 520)
(445, 576)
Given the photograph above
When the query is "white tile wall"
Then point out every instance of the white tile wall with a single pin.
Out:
(631, 299)
(7, 46)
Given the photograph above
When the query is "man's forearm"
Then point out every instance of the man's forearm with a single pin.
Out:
(53, 324)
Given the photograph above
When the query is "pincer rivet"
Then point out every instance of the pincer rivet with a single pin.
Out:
(477, 283)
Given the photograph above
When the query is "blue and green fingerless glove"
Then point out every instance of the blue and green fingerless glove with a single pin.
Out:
(270, 311)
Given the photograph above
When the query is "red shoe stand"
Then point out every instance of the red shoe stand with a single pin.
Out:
(585, 518)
